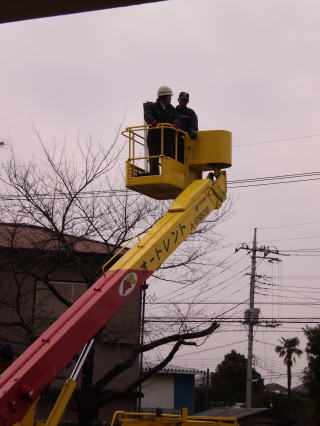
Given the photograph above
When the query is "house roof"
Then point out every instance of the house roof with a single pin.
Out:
(276, 387)
(23, 236)
(17, 10)
(239, 413)
(300, 389)
(173, 369)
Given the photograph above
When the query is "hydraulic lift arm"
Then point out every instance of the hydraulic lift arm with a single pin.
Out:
(23, 382)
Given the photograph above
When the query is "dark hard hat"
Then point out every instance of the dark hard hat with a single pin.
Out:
(184, 95)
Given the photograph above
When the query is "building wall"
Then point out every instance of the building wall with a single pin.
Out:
(184, 392)
(39, 307)
(158, 392)
(169, 391)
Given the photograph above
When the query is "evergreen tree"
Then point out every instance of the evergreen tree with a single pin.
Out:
(312, 372)
(228, 382)
(287, 350)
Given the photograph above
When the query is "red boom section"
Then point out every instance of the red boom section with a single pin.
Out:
(35, 369)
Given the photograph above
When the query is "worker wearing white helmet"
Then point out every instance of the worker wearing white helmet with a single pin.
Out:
(164, 91)
(157, 112)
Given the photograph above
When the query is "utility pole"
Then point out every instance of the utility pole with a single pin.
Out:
(251, 315)
(142, 323)
(207, 388)
(251, 322)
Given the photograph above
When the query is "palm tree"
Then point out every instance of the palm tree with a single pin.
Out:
(287, 350)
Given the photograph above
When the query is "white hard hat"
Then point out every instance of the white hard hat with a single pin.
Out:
(164, 90)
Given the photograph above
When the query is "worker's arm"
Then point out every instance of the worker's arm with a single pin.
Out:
(149, 115)
(194, 121)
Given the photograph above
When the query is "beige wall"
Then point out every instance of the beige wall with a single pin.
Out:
(158, 392)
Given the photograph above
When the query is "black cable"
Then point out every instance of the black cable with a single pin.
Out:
(278, 140)
(126, 192)
(294, 175)
(273, 183)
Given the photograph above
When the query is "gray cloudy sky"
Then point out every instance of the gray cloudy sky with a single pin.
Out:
(251, 66)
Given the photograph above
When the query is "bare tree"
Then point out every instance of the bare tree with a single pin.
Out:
(68, 203)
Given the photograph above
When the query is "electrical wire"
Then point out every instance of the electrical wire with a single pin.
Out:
(295, 138)
(289, 226)
(239, 183)
(212, 348)
(214, 276)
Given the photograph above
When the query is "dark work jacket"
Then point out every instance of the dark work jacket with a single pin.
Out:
(154, 111)
(187, 119)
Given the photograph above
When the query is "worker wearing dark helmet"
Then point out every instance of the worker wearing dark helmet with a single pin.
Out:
(157, 112)
(188, 121)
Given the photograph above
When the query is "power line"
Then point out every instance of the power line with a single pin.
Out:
(239, 183)
(262, 330)
(289, 226)
(212, 347)
(273, 183)
(292, 239)
(300, 277)
(295, 138)
(208, 289)
(285, 320)
(301, 287)
(229, 303)
(276, 177)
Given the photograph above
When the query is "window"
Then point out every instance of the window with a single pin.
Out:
(48, 307)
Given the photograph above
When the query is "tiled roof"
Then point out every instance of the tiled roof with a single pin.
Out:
(173, 369)
(23, 236)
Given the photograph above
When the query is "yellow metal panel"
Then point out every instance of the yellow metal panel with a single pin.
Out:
(174, 172)
(122, 418)
(190, 208)
(167, 185)
(211, 147)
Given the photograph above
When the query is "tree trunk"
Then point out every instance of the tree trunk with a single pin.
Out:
(88, 413)
(88, 410)
(289, 379)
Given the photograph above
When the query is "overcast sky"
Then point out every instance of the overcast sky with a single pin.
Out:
(250, 66)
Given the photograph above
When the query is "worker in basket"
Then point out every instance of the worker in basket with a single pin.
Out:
(157, 112)
(188, 121)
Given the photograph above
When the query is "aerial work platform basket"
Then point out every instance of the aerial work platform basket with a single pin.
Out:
(211, 151)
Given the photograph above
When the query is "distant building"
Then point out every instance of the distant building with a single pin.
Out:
(300, 389)
(276, 388)
(171, 389)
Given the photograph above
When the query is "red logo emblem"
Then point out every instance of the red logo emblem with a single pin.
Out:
(128, 284)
